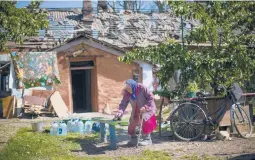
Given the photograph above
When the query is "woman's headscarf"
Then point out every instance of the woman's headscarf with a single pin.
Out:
(133, 85)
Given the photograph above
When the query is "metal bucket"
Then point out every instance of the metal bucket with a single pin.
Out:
(37, 127)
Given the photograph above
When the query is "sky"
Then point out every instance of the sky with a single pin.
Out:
(146, 4)
(54, 4)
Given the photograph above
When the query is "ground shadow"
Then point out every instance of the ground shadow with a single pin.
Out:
(96, 146)
(244, 157)
(89, 146)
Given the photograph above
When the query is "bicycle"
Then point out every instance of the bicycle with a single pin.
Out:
(189, 121)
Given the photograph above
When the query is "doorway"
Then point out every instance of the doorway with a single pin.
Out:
(4, 79)
(81, 86)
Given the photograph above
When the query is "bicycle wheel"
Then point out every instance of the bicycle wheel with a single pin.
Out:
(188, 121)
(242, 122)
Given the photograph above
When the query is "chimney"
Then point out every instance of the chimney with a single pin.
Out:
(87, 11)
(102, 5)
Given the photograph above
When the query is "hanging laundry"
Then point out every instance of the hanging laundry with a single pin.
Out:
(34, 69)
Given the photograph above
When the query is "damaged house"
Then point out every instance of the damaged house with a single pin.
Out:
(87, 43)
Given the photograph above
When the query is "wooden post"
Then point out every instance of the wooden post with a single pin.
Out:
(251, 112)
(0, 80)
(113, 140)
(160, 115)
(103, 132)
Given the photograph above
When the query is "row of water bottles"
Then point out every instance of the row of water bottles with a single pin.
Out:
(58, 129)
(73, 125)
(77, 126)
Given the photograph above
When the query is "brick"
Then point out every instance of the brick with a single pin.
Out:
(111, 75)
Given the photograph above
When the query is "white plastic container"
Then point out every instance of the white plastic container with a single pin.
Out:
(88, 126)
(69, 124)
(72, 128)
(76, 127)
(62, 129)
(54, 129)
(80, 127)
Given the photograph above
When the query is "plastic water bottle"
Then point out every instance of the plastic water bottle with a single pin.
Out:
(72, 128)
(62, 129)
(88, 126)
(54, 129)
(80, 127)
(69, 124)
(76, 126)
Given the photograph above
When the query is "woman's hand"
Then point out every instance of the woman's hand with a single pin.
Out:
(119, 114)
(143, 109)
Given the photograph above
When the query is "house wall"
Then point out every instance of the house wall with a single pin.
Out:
(111, 75)
(147, 75)
(63, 88)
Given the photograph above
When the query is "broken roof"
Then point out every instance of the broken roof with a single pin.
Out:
(125, 29)
(129, 29)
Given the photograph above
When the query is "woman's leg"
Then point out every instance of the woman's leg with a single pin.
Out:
(134, 122)
(148, 127)
(132, 127)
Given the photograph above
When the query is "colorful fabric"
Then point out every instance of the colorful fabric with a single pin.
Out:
(147, 127)
(34, 69)
(133, 85)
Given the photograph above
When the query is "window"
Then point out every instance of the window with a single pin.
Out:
(4, 76)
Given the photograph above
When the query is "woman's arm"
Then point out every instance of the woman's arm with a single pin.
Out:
(124, 102)
(150, 99)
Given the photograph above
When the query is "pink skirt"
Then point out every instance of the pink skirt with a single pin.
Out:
(148, 126)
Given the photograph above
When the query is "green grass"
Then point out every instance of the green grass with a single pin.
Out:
(28, 145)
(147, 155)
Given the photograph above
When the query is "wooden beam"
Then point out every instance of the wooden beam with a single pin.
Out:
(94, 88)
(80, 68)
(90, 42)
(83, 56)
(70, 88)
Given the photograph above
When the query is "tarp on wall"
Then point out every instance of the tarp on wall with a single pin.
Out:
(34, 69)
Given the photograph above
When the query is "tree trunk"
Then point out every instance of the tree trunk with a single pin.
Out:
(160, 115)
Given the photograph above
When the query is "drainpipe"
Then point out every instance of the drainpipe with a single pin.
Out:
(182, 32)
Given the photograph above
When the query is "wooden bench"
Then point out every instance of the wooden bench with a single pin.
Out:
(112, 130)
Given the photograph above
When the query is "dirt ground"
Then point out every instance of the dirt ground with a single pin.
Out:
(237, 148)
(234, 149)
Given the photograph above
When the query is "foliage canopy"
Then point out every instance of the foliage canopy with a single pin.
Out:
(19, 23)
(228, 30)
